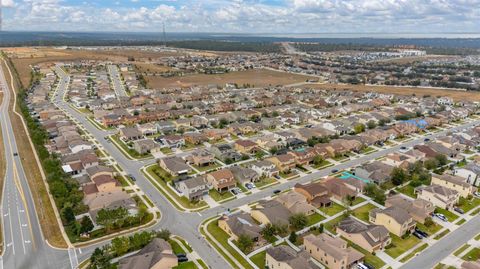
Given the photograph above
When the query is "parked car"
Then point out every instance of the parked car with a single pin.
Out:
(249, 185)
(334, 171)
(277, 191)
(459, 210)
(181, 255)
(132, 177)
(418, 235)
(182, 259)
(369, 266)
(441, 216)
(15, 154)
(477, 194)
(424, 234)
(426, 139)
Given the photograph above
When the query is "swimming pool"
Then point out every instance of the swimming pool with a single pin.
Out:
(346, 175)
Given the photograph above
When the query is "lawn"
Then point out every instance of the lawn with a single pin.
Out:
(357, 201)
(333, 209)
(442, 234)
(369, 257)
(340, 158)
(407, 190)
(368, 150)
(387, 185)
(331, 225)
(222, 238)
(265, 182)
(131, 153)
(363, 211)
(431, 229)
(472, 255)
(450, 216)
(411, 254)
(206, 168)
(468, 204)
(157, 176)
(287, 175)
(259, 259)
(323, 164)
(186, 265)
(314, 219)
(461, 249)
(477, 237)
(400, 245)
(217, 196)
(460, 222)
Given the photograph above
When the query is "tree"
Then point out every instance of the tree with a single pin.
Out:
(428, 222)
(359, 128)
(398, 176)
(142, 212)
(293, 237)
(68, 215)
(273, 150)
(120, 245)
(164, 234)
(317, 160)
(245, 243)
(371, 124)
(109, 217)
(259, 154)
(268, 231)
(376, 193)
(320, 228)
(86, 225)
(100, 259)
(431, 164)
(442, 159)
(298, 221)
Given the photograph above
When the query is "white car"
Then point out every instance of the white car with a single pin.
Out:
(441, 216)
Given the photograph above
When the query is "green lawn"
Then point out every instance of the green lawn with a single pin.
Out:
(166, 150)
(186, 265)
(407, 190)
(368, 150)
(357, 201)
(265, 182)
(158, 175)
(176, 247)
(206, 168)
(287, 175)
(472, 255)
(222, 238)
(387, 185)
(363, 211)
(431, 229)
(411, 254)
(131, 153)
(477, 237)
(315, 218)
(340, 158)
(217, 196)
(460, 222)
(461, 249)
(184, 243)
(331, 225)
(323, 164)
(450, 216)
(400, 245)
(468, 204)
(369, 257)
(442, 234)
(332, 210)
(259, 259)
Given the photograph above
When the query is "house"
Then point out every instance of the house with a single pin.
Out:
(172, 141)
(244, 175)
(370, 237)
(201, 158)
(284, 162)
(338, 189)
(130, 133)
(296, 203)
(270, 212)
(439, 196)
(455, 183)
(144, 146)
(193, 188)
(221, 180)
(285, 257)
(226, 153)
(419, 209)
(333, 252)
(240, 224)
(470, 173)
(158, 254)
(264, 168)
(470, 265)
(315, 193)
(246, 146)
(376, 171)
(304, 157)
(99, 170)
(395, 219)
(194, 138)
(174, 166)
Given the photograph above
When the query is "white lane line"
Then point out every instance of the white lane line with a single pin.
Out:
(11, 230)
(20, 222)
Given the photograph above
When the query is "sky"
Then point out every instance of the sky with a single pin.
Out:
(244, 16)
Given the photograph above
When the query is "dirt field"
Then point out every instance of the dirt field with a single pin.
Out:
(256, 77)
(456, 95)
(44, 211)
(151, 68)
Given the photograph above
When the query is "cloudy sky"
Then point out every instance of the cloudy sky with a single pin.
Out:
(245, 16)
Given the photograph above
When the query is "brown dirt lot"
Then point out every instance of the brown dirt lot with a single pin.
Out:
(256, 77)
(45, 213)
(456, 95)
(151, 68)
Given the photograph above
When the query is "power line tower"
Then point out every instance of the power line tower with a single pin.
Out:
(164, 36)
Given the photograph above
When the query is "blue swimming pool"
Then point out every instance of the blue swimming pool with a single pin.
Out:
(346, 175)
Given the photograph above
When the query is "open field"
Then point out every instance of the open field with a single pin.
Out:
(254, 77)
(151, 68)
(454, 94)
(45, 211)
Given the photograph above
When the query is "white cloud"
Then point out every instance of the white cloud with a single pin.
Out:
(7, 3)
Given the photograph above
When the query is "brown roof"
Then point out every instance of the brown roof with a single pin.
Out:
(90, 189)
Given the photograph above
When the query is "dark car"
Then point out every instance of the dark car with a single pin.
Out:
(181, 255)
(426, 139)
(369, 266)
(132, 177)
(334, 171)
(459, 210)
(403, 148)
(277, 191)
(182, 259)
(424, 234)
(15, 154)
(417, 235)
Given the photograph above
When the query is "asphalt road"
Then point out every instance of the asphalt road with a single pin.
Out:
(24, 245)
(180, 223)
(116, 81)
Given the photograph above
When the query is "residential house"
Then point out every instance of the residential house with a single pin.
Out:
(245, 146)
(264, 168)
(226, 153)
(239, 224)
(455, 183)
(244, 175)
(338, 189)
(172, 141)
(130, 133)
(315, 193)
(395, 219)
(284, 162)
(376, 171)
(144, 146)
(470, 173)
(296, 203)
(419, 209)
(439, 196)
(158, 254)
(174, 166)
(370, 237)
(285, 257)
(221, 180)
(333, 252)
(201, 158)
(270, 212)
(193, 188)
